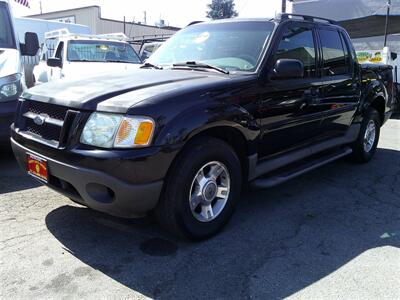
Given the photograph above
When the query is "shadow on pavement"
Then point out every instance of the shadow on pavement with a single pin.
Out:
(278, 242)
(12, 178)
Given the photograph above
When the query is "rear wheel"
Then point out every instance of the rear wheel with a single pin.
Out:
(365, 146)
(201, 189)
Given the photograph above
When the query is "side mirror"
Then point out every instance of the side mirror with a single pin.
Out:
(288, 69)
(31, 46)
(54, 62)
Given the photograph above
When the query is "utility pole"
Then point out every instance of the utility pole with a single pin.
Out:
(41, 10)
(124, 25)
(389, 3)
(283, 6)
(145, 17)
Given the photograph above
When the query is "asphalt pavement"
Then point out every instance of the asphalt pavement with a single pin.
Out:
(333, 233)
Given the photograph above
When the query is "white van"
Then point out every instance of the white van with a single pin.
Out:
(12, 79)
(40, 27)
(79, 56)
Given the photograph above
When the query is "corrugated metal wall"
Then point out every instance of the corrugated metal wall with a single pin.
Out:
(91, 17)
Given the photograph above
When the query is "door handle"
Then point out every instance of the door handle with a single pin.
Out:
(312, 96)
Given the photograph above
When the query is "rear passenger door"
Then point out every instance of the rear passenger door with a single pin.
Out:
(341, 83)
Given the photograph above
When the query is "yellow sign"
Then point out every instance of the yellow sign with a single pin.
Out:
(373, 57)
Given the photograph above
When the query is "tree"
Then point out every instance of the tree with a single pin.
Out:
(221, 9)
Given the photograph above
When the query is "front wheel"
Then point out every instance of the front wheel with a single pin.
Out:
(201, 189)
(366, 144)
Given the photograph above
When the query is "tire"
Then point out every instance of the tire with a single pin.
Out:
(363, 151)
(182, 217)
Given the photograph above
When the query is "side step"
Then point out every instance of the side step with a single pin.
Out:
(278, 178)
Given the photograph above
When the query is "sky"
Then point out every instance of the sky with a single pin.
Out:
(175, 12)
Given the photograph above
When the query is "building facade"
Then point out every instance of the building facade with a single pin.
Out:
(91, 17)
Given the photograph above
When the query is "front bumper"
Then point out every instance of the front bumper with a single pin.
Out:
(96, 189)
(7, 115)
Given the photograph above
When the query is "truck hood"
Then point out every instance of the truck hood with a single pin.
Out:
(90, 69)
(119, 92)
(9, 62)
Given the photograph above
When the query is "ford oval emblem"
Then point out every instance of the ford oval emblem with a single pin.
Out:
(39, 120)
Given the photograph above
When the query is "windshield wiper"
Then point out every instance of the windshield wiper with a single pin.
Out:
(150, 65)
(194, 64)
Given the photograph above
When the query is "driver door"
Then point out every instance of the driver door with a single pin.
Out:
(55, 72)
(289, 114)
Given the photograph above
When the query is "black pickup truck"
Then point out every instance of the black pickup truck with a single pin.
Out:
(221, 104)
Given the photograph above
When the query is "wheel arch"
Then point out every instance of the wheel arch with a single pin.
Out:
(379, 104)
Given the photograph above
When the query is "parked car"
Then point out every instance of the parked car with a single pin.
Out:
(219, 105)
(146, 45)
(12, 79)
(79, 56)
(148, 49)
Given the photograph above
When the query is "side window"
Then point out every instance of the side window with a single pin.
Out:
(60, 49)
(298, 43)
(333, 53)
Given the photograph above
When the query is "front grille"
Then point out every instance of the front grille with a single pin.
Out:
(46, 131)
(53, 111)
(53, 117)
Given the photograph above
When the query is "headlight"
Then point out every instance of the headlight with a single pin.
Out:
(10, 87)
(117, 131)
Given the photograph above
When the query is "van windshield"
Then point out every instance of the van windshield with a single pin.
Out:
(233, 46)
(7, 39)
(101, 51)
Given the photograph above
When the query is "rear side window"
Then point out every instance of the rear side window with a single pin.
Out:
(298, 43)
(334, 58)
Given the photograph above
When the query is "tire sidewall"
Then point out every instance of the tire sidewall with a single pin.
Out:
(192, 162)
(373, 115)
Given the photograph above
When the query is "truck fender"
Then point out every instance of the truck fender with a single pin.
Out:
(198, 119)
(373, 91)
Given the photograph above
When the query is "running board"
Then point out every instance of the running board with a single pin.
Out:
(279, 178)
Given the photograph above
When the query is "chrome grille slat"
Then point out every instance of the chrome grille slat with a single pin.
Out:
(47, 118)
(43, 122)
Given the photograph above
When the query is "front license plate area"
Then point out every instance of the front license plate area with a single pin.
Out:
(37, 167)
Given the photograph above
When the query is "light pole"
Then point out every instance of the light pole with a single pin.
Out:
(389, 3)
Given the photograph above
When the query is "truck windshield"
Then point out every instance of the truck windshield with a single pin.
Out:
(101, 51)
(233, 46)
(7, 39)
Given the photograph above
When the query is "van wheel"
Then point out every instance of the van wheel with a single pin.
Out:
(365, 146)
(201, 189)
